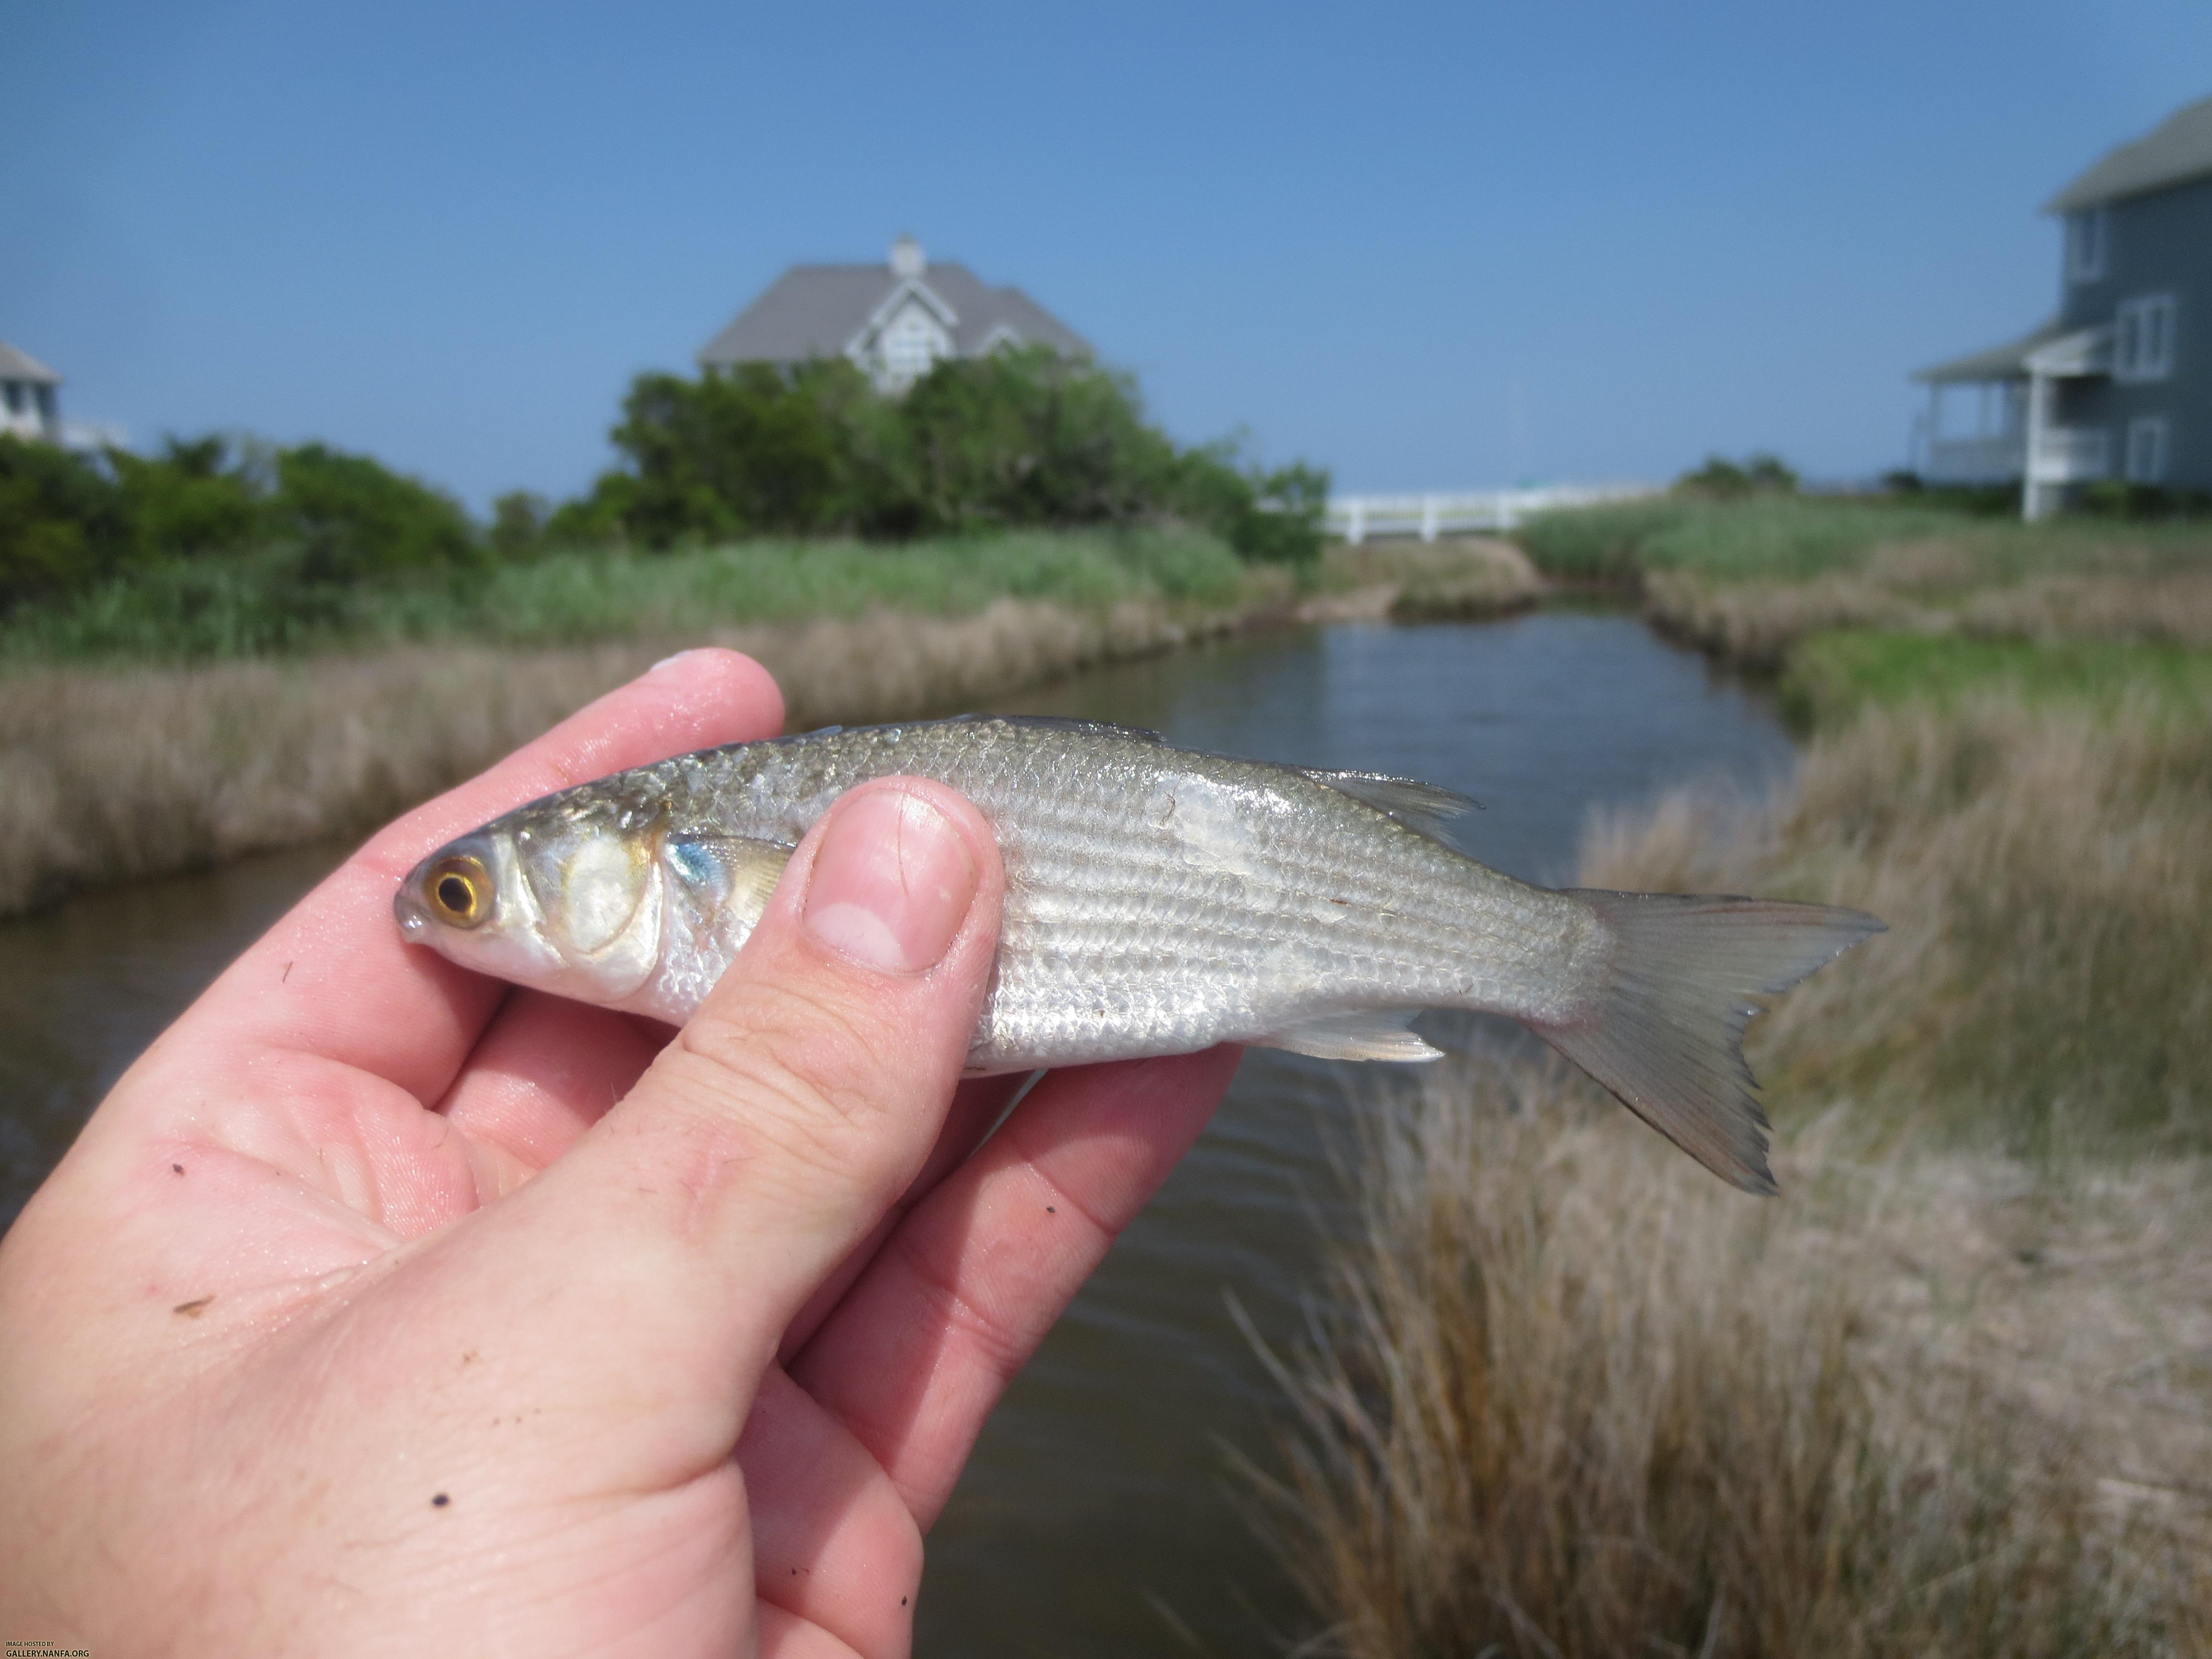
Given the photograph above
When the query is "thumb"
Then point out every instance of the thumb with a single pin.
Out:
(787, 1117)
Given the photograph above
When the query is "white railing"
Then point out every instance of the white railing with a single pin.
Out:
(1356, 518)
(2072, 454)
(1976, 460)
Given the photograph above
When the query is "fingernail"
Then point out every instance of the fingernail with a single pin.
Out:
(891, 884)
(669, 662)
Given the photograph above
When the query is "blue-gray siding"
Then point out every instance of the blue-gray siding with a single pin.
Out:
(2160, 243)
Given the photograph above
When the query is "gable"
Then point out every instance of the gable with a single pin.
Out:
(828, 311)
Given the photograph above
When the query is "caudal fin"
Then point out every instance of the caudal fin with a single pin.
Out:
(1665, 1033)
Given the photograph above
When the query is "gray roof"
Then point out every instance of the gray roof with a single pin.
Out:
(22, 366)
(816, 311)
(2177, 150)
(1998, 362)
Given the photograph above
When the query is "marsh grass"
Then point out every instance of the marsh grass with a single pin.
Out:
(1455, 577)
(264, 605)
(108, 774)
(1830, 676)
(1757, 624)
(1570, 1397)
(1575, 1399)
(2044, 871)
(1795, 539)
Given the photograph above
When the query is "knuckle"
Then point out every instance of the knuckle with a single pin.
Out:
(1000, 1346)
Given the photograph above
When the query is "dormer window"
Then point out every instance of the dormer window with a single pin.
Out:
(910, 343)
(2142, 338)
(2087, 234)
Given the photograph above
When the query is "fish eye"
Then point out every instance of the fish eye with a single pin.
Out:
(459, 891)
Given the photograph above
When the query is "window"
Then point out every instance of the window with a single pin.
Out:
(2143, 339)
(910, 344)
(13, 389)
(2147, 447)
(2087, 234)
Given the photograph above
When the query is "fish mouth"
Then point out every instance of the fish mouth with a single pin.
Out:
(409, 910)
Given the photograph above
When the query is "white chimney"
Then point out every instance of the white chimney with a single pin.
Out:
(908, 260)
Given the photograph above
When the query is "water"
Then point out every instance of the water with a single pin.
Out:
(1099, 1514)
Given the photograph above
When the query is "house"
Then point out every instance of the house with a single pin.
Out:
(2118, 385)
(29, 405)
(894, 321)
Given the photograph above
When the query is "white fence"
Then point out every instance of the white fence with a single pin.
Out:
(1356, 518)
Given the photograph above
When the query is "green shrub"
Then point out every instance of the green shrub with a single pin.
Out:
(214, 549)
(353, 518)
(1721, 479)
(280, 521)
(197, 497)
(63, 523)
(756, 449)
(2116, 498)
(978, 444)
(518, 521)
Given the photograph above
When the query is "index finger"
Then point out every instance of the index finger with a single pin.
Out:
(332, 977)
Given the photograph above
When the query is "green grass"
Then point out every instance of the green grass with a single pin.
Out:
(1799, 538)
(264, 605)
(1833, 676)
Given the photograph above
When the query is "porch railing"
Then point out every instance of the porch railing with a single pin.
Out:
(1977, 460)
(2066, 454)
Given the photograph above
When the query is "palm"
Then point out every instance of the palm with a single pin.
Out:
(302, 1170)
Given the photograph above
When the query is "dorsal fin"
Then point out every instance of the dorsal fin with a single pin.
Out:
(1069, 723)
(1422, 806)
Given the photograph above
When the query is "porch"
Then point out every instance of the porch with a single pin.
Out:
(1992, 418)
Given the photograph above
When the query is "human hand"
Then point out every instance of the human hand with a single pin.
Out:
(381, 1308)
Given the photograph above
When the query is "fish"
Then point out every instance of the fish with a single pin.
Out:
(1158, 900)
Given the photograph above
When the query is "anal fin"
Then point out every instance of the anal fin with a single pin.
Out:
(1365, 1034)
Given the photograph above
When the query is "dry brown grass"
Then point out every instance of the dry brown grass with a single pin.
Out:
(2044, 874)
(1454, 577)
(1934, 587)
(108, 775)
(1953, 1392)
(1580, 1399)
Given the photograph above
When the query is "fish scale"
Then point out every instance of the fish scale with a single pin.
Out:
(1103, 884)
(1157, 900)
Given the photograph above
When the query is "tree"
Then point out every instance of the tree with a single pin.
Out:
(1760, 474)
(197, 497)
(352, 518)
(63, 523)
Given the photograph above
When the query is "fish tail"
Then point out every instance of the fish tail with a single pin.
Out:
(1664, 1032)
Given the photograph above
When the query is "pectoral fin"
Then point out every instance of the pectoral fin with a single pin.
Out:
(726, 876)
(1367, 1034)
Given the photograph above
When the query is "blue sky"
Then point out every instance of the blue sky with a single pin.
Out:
(1429, 247)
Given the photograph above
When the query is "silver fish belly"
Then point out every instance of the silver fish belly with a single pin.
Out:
(1158, 900)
